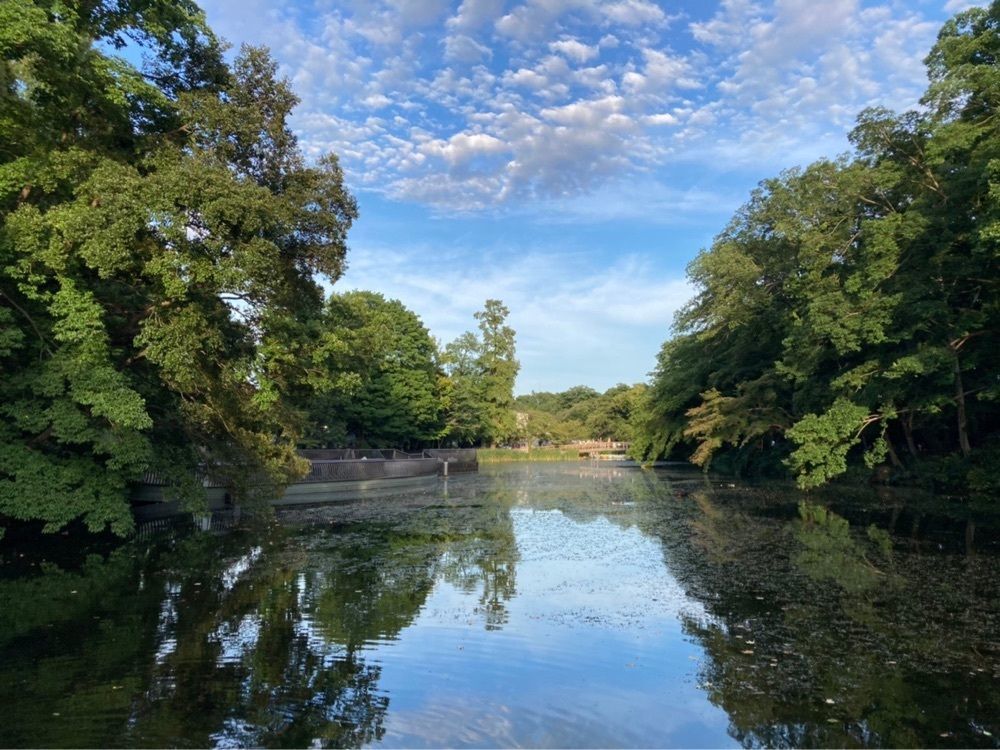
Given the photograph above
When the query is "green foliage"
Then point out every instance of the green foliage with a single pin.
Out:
(498, 368)
(823, 442)
(579, 413)
(159, 237)
(394, 397)
(851, 308)
(481, 370)
(611, 415)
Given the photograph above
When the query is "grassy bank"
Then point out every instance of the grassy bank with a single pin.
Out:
(506, 455)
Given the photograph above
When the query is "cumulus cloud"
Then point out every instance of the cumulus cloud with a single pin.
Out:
(661, 118)
(476, 104)
(463, 147)
(634, 12)
(474, 14)
(575, 50)
(573, 113)
(795, 74)
(527, 78)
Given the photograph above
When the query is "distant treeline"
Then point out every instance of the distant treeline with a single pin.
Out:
(849, 313)
(578, 413)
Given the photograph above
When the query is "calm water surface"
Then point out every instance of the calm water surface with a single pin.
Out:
(529, 605)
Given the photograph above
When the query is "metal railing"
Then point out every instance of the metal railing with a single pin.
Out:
(459, 459)
(458, 455)
(205, 479)
(342, 470)
(353, 454)
(352, 464)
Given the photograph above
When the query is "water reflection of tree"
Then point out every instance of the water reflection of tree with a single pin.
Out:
(821, 633)
(823, 628)
(169, 648)
(482, 552)
(257, 638)
(40, 694)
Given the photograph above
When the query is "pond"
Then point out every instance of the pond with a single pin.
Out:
(564, 605)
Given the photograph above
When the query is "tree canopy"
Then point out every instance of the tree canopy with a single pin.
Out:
(397, 399)
(850, 309)
(580, 413)
(481, 370)
(160, 238)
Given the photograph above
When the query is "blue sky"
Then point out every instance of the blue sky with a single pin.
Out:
(571, 157)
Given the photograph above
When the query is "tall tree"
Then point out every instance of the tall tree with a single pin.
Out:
(159, 234)
(396, 401)
(852, 308)
(498, 367)
(464, 398)
(481, 373)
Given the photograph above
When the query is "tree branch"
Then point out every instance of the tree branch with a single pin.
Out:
(31, 322)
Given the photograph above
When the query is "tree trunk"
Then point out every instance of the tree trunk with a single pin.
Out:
(908, 434)
(915, 532)
(963, 430)
(893, 519)
(893, 458)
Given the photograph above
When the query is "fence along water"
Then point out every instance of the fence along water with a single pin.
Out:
(347, 464)
(332, 470)
(338, 464)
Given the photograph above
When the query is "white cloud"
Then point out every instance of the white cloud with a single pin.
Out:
(575, 50)
(527, 78)
(376, 101)
(462, 147)
(566, 307)
(465, 49)
(794, 75)
(474, 14)
(634, 12)
(535, 19)
(574, 89)
(587, 114)
(661, 71)
(661, 118)
(728, 24)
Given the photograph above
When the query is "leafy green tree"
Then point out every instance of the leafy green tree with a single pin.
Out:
(498, 368)
(851, 307)
(537, 425)
(396, 401)
(464, 397)
(611, 417)
(481, 373)
(159, 236)
(580, 412)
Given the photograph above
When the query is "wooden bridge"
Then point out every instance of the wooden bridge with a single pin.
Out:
(599, 448)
